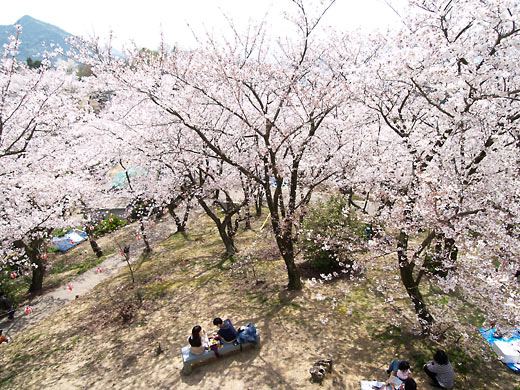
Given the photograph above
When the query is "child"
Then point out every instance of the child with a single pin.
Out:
(397, 377)
(403, 370)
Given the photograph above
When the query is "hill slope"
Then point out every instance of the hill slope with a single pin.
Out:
(109, 337)
(34, 32)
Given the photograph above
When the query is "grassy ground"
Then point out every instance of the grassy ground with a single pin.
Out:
(63, 267)
(108, 338)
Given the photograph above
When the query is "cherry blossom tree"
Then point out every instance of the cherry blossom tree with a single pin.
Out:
(446, 93)
(273, 110)
(423, 121)
(178, 169)
(36, 107)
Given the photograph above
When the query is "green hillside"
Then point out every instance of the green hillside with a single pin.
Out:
(34, 32)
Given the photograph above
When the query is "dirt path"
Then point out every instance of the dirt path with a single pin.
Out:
(46, 304)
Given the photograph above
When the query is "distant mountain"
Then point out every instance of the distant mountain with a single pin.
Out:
(34, 32)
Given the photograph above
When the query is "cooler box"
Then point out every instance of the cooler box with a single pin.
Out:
(506, 352)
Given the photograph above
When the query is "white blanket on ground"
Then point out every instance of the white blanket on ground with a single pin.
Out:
(369, 385)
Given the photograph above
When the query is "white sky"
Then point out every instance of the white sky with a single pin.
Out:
(143, 21)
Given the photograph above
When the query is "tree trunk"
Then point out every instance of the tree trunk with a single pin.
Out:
(284, 241)
(93, 244)
(172, 206)
(445, 252)
(126, 252)
(228, 240)
(147, 247)
(247, 213)
(258, 202)
(451, 249)
(285, 244)
(247, 188)
(181, 223)
(95, 247)
(282, 230)
(186, 215)
(180, 226)
(411, 285)
(412, 288)
(37, 276)
(33, 252)
(222, 226)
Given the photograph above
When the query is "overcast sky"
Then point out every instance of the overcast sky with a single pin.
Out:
(143, 21)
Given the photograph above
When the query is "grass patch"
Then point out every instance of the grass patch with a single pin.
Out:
(4, 380)
(78, 268)
(16, 289)
(160, 289)
(259, 297)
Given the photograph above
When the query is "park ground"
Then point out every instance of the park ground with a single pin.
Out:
(108, 337)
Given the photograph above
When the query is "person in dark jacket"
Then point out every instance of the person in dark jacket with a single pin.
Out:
(6, 306)
(226, 330)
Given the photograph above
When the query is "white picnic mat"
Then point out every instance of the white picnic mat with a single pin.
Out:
(369, 385)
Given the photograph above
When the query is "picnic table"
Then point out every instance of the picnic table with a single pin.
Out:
(189, 359)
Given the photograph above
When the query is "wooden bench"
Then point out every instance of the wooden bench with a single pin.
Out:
(189, 360)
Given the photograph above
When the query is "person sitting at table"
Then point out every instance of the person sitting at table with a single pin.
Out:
(226, 331)
(440, 371)
(196, 340)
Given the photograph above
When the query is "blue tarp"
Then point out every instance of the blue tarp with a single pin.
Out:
(120, 180)
(488, 336)
(71, 238)
(272, 180)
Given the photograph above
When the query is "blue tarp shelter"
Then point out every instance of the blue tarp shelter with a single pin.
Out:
(488, 335)
(71, 238)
